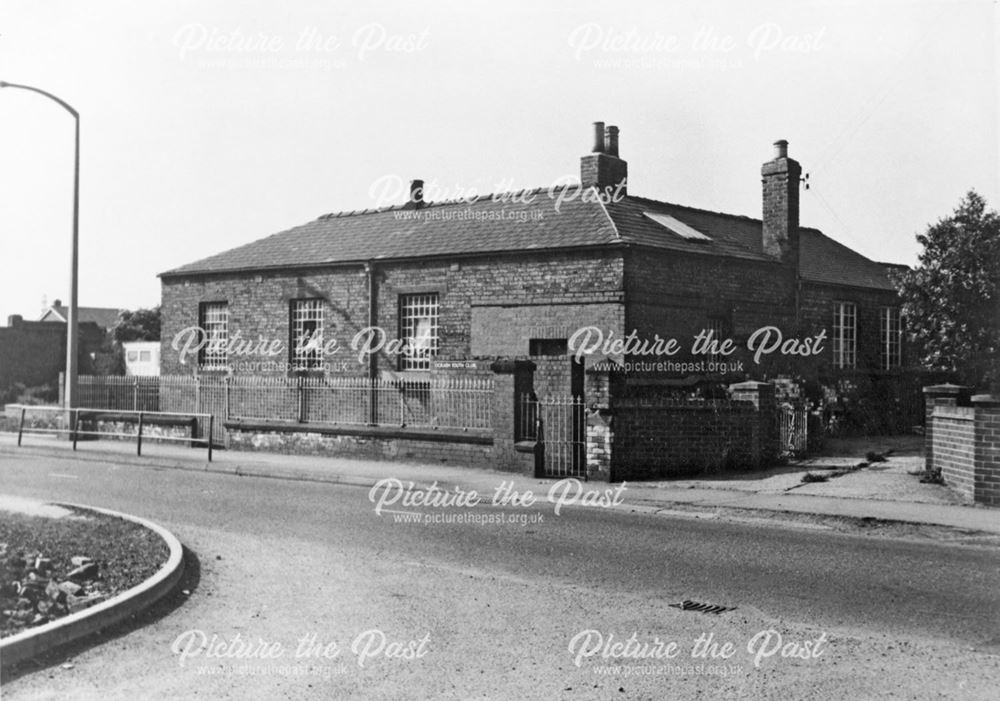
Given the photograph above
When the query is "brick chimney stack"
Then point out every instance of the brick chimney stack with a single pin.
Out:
(603, 168)
(780, 177)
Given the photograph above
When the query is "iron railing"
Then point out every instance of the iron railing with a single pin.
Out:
(456, 403)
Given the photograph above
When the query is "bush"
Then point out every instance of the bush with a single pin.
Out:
(813, 477)
(17, 393)
(44, 394)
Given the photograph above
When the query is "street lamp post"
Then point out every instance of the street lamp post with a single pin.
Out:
(72, 335)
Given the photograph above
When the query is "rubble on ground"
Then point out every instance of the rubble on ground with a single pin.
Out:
(33, 593)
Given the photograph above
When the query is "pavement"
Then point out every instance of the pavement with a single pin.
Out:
(885, 491)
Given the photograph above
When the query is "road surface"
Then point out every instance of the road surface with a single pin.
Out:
(301, 590)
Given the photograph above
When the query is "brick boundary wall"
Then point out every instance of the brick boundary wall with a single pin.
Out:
(671, 438)
(963, 441)
(954, 446)
(986, 473)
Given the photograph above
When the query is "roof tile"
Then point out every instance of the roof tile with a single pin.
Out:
(492, 225)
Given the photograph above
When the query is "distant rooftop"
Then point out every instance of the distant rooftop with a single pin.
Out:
(102, 316)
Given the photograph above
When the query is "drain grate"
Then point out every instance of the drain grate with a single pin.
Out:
(688, 605)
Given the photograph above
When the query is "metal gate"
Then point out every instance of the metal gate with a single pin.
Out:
(558, 423)
(793, 429)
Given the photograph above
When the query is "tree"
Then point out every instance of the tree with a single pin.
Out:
(140, 325)
(951, 300)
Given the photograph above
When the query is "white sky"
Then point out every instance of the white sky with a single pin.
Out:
(208, 124)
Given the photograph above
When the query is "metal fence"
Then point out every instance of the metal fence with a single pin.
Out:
(559, 423)
(121, 393)
(447, 403)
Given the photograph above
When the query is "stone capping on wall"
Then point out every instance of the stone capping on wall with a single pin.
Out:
(956, 395)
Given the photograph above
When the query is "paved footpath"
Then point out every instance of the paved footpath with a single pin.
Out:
(898, 496)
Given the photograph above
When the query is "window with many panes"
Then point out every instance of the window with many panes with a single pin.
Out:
(845, 329)
(890, 338)
(307, 333)
(213, 319)
(418, 327)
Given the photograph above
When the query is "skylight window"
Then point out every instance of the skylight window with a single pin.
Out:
(675, 226)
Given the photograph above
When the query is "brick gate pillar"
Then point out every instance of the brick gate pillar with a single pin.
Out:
(513, 450)
(765, 448)
(939, 395)
(604, 386)
(986, 454)
(600, 439)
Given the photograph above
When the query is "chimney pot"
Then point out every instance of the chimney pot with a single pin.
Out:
(781, 149)
(598, 138)
(417, 192)
(57, 303)
(603, 169)
(611, 141)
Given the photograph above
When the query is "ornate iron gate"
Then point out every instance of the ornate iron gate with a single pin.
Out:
(559, 423)
(793, 429)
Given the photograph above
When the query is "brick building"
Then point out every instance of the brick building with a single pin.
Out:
(33, 353)
(518, 274)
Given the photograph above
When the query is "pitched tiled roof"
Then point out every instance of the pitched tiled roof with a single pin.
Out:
(102, 316)
(491, 226)
(821, 259)
(435, 229)
(730, 235)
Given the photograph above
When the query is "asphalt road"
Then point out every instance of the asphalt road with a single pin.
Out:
(522, 608)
